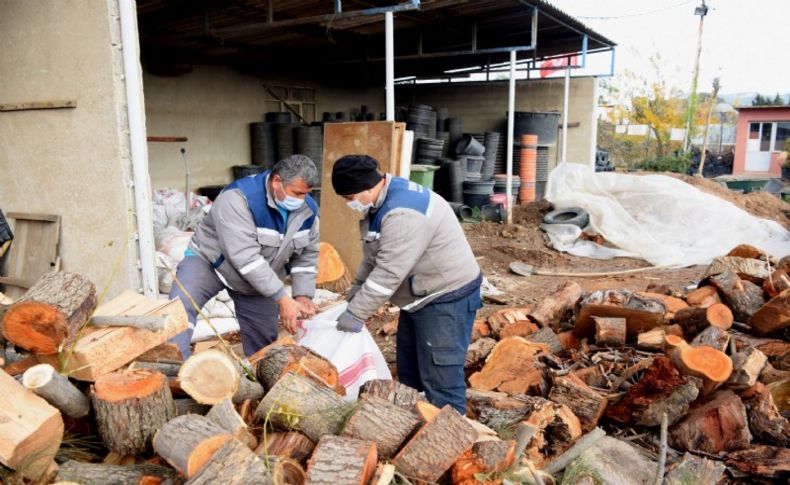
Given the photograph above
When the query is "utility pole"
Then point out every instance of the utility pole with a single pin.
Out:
(714, 97)
(702, 10)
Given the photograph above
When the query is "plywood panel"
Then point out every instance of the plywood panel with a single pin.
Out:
(34, 250)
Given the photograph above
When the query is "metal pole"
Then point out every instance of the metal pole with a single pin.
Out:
(692, 109)
(389, 48)
(511, 108)
(565, 115)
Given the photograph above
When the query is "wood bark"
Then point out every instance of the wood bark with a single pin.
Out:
(248, 389)
(280, 359)
(743, 297)
(776, 283)
(672, 303)
(610, 331)
(496, 409)
(551, 310)
(765, 420)
(587, 404)
(486, 457)
(209, 377)
(436, 446)
(749, 269)
(707, 363)
(392, 391)
(641, 313)
(555, 429)
(712, 337)
(50, 313)
(341, 460)
(190, 406)
(546, 336)
(520, 329)
(746, 367)
(154, 323)
(478, 351)
(768, 461)
(651, 341)
(381, 422)
(696, 470)
(694, 320)
(233, 464)
(285, 470)
(225, 416)
(288, 444)
(57, 390)
(130, 406)
(102, 474)
(170, 369)
(505, 317)
(188, 442)
(512, 367)
(773, 316)
(704, 296)
(715, 426)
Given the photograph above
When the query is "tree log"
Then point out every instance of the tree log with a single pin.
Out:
(641, 313)
(743, 297)
(480, 329)
(768, 461)
(153, 323)
(285, 470)
(166, 352)
(102, 474)
(776, 283)
(546, 336)
(280, 359)
(707, 363)
(715, 426)
(672, 303)
(224, 415)
(703, 297)
(747, 251)
(765, 421)
(518, 329)
(392, 391)
(773, 316)
(209, 377)
(587, 404)
(501, 319)
(190, 406)
(170, 369)
(694, 320)
(233, 464)
(188, 442)
(57, 390)
(381, 422)
(748, 269)
(746, 367)
(248, 389)
(496, 409)
(555, 427)
(652, 340)
(569, 340)
(341, 460)
(696, 470)
(712, 337)
(512, 367)
(50, 313)
(288, 444)
(551, 310)
(436, 446)
(610, 331)
(485, 457)
(478, 351)
(130, 406)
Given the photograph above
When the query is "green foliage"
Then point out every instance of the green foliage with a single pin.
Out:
(761, 100)
(668, 163)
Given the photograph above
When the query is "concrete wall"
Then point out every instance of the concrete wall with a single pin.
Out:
(747, 116)
(212, 106)
(71, 162)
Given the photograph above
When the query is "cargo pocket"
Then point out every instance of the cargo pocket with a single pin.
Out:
(270, 244)
(299, 243)
(447, 371)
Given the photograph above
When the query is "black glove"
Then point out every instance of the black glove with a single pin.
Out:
(348, 322)
(352, 292)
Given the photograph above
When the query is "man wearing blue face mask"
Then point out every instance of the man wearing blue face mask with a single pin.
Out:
(260, 229)
(416, 256)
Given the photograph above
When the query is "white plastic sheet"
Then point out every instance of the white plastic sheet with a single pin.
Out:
(659, 218)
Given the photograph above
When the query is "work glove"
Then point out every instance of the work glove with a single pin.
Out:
(348, 322)
(351, 292)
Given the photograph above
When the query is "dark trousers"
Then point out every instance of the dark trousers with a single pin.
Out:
(431, 349)
(258, 315)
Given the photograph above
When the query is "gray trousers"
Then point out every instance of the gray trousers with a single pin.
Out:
(258, 315)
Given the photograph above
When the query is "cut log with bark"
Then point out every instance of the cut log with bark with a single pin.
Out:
(569, 340)
(694, 320)
(641, 313)
(288, 444)
(426, 411)
(703, 296)
(747, 251)
(385, 474)
(743, 297)
(248, 390)
(771, 375)
(341, 460)
(478, 351)
(166, 352)
(610, 331)
(712, 366)
(188, 442)
(170, 369)
(715, 426)
(496, 409)
(764, 460)
(551, 310)
(480, 329)
(190, 406)
(750, 269)
(392, 391)
(130, 406)
(436, 446)
(587, 404)
(74, 471)
(746, 367)
(773, 316)
(209, 377)
(381, 422)
(765, 420)
(50, 314)
(505, 317)
(546, 336)
(280, 359)
(776, 283)
(145, 322)
(285, 470)
(662, 389)
(233, 464)
(57, 390)
(485, 458)
(518, 329)
(225, 416)
(672, 303)
(714, 337)
(512, 367)
(652, 340)
(555, 429)
(692, 469)
(296, 402)
(31, 429)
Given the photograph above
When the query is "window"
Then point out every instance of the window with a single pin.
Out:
(300, 99)
(765, 138)
(782, 135)
(754, 131)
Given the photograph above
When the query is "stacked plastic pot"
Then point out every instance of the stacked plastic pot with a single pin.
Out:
(528, 167)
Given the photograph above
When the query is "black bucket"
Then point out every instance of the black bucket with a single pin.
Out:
(462, 211)
(468, 145)
(493, 212)
(476, 200)
(241, 171)
(262, 144)
(541, 123)
(277, 117)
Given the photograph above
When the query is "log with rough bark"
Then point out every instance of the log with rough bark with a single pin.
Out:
(49, 315)
(233, 464)
(764, 460)
(551, 310)
(501, 319)
(297, 402)
(170, 369)
(776, 283)
(672, 303)
(555, 429)
(31, 429)
(486, 458)
(341, 460)
(715, 426)
(384, 475)
(713, 366)
(696, 470)
(652, 340)
(746, 367)
(281, 359)
(190, 406)
(749, 269)
(569, 340)
(747, 251)
(288, 444)
(225, 416)
(381, 422)
(546, 336)
(102, 474)
(188, 442)
(480, 329)
(478, 351)
(248, 389)
(743, 297)
(436, 446)
(57, 390)
(512, 367)
(392, 391)
(773, 316)
(209, 377)
(587, 404)
(610, 331)
(518, 329)
(703, 296)
(641, 313)
(712, 337)
(765, 421)
(145, 322)
(693, 319)
(285, 470)
(496, 409)
(166, 352)
(130, 406)
(426, 411)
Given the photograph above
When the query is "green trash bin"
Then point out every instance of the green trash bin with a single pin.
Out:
(423, 174)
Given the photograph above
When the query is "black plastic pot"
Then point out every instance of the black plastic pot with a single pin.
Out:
(241, 171)
(541, 123)
(462, 211)
(493, 212)
(468, 145)
(476, 200)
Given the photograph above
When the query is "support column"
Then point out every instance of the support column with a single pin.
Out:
(511, 108)
(389, 46)
(565, 115)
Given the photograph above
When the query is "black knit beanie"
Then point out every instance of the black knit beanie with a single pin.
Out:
(353, 174)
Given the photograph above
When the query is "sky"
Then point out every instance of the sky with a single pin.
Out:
(746, 43)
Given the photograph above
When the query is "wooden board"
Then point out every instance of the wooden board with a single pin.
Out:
(103, 350)
(339, 224)
(34, 251)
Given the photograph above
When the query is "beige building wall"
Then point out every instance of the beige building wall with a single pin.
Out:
(71, 162)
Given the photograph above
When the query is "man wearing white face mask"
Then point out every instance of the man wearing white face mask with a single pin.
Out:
(416, 256)
(260, 229)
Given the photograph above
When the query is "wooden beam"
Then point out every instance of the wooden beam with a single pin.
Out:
(32, 105)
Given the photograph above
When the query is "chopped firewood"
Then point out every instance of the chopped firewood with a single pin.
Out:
(610, 331)
(714, 426)
(660, 390)
(546, 336)
(712, 337)
(19, 367)
(610, 460)
(480, 329)
(130, 406)
(778, 353)
(776, 283)
(279, 360)
(696, 470)
(225, 416)
(555, 426)
(713, 366)
(285, 470)
(57, 390)
(50, 314)
(190, 406)
(101, 474)
(641, 313)
(569, 340)
(694, 319)
(770, 374)
(248, 390)
(340, 459)
(385, 474)
(746, 367)
(233, 464)
(478, 351)
(784, 263)
(675, 330)
(703, 296)
(436, 446)
(511, 367)
(747, 251)
(743, 297)
(496, 409)
(392, 391)
(31, 429)
(764, 460)
(296, 402)
(587, 404)
(672, 303)
(389, 328)
(765, 421)
(289, 444)
(188, 442)
(505, 317)
(426, 411)
(773, 316)
(285, 339)
(170, 369)
(551, 310)
(518, 329)
(749, 269)
(381, 422)
(652, 340)
(485, 457)
(593, 376)
(166, 352)
(209, 377)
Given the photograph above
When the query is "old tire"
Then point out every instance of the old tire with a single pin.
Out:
(572, 215)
